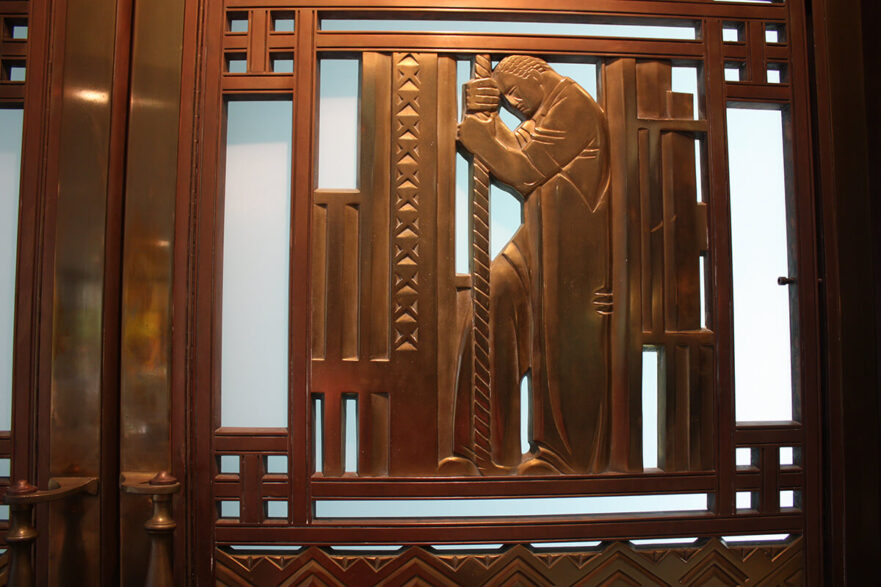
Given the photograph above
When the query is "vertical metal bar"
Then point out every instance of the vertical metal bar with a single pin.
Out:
(480, 263)
(301, 206)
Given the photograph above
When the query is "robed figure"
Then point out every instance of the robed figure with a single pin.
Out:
(550, 296)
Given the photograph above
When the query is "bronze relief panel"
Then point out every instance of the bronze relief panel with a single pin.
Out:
(604, 264)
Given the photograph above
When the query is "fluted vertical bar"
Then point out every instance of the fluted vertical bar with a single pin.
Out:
(480, 263)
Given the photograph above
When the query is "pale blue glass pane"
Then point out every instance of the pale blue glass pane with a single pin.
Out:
(584, 74)
(20, 31)
(238, 23)
(509, 118)
(732, 74)
(283, 64)
(466, 547)
(730, 34)
(787, 456)
(463, 236)
(256, 245)
(338, 123)
(351, 431)
(702, 277)
(787, 498)
(283, 22)
(10, 172)
(762, 362)
(229, 509)
(565, 545)
(463, 74)
(277, 464)
(544, 506)
(264, 547)
(774, 76)
(318, 430)
(743, 457)
(660, 541)
(650, 365)
(525, 413)
(756, 538)
(5, 467)
(367, 547)
(743, 500)
(505, 217)
(17, 73)
(236, 65)
(276, 509)
(4, 512)
(229, 464)
(684, 31)
(685, 81)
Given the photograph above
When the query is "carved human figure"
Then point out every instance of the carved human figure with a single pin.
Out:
(550, 297)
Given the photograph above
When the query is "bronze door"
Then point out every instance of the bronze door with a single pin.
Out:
(407, 294)
(416, 389)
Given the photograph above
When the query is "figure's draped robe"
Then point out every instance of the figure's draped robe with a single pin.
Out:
(544, 285)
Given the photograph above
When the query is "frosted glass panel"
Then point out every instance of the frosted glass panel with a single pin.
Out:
(683, 30)
(505, 217)
(338, 124)
(10, 171)
(537, 506)
(256, 244)
(650, 368)
(762, 362)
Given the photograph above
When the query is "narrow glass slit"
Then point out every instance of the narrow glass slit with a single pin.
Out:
(350, 426)
(646, 29)
(318, 431)
(11, 121)
(526, 413)
(702, 278)
(509, 507)
(651, 366)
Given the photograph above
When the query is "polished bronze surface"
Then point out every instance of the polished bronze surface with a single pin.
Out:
(73, 422)
(148, 241)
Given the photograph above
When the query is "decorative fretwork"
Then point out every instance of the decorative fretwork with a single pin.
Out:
(616, 563)
(258, 50)
(13, 51)
(405, 225)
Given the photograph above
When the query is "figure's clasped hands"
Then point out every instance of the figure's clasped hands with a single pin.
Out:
(482, 100)
(481, 95)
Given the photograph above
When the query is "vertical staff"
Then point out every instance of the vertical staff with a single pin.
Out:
(480, 262)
